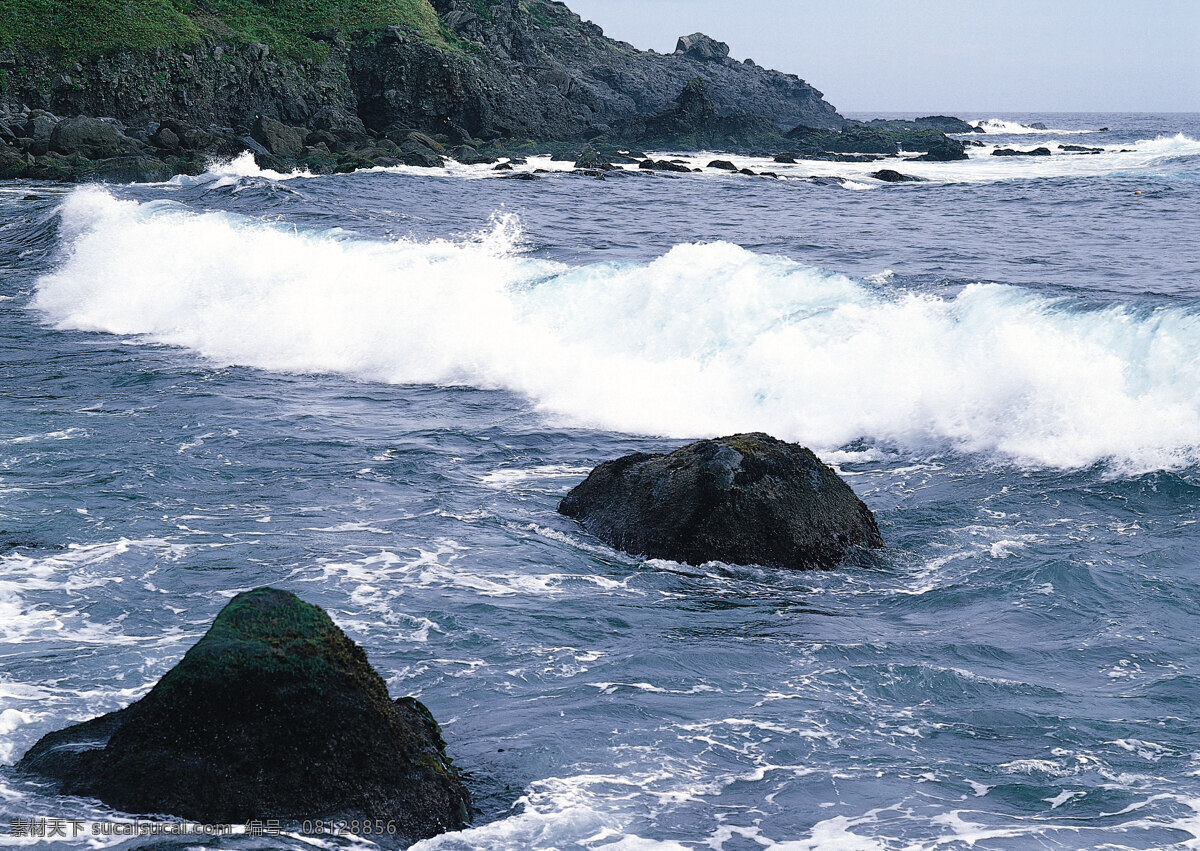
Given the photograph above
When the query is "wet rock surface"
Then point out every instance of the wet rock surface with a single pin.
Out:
(743, 499)
(275, 713)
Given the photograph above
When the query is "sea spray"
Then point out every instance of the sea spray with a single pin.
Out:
(706, 339)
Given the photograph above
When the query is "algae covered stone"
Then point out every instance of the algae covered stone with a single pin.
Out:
(743, 499)
(274, 714)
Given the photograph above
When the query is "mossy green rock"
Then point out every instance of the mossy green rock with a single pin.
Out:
(274, 714)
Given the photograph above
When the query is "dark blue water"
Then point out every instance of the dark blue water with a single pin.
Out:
(373, 389)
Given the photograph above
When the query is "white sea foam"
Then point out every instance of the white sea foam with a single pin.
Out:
(80, 567)
(997, 126)
(231, 172)
(508, 477)
(574, 812)
(707, 339)
(1144, 156)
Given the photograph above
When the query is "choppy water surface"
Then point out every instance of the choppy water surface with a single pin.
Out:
(373, 390)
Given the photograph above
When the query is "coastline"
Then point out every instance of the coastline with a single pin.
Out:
(368, 390)
(512, 80)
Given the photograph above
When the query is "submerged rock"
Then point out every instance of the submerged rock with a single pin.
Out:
(593, 160)
(1011, 152)
(944, 151)
(888, 175)
(744, 499)
(662, 165)
(275, 713)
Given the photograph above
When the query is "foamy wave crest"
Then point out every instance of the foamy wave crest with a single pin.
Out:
(998, 126)
(230, 172)
(706, 339)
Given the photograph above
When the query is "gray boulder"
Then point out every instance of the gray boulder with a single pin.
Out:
(278, 138)
(662, 165)
(190, 137)
(40, 127)
(702, 48)
(744, 499)
(340, 128)
(90, 137)
(165, 137)
(888, 175)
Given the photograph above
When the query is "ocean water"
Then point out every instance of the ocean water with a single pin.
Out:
(373, 389)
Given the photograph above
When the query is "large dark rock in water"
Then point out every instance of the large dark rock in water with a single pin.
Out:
(947, 124)
(745, 499)
(1012, 152)
(275, 713)
(888, 175)
(661, 165)
(886, 137)
(944, 151)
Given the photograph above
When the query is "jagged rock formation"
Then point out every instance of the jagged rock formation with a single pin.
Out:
(506, 68)
(694, 122)
(275, 713)
(598, 81)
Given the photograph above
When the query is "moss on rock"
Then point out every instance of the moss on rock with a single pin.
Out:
(274, 713)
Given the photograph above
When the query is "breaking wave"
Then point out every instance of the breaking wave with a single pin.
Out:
(706, 339)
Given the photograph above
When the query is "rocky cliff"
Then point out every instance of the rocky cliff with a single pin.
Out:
(484, 69)
(142, 89)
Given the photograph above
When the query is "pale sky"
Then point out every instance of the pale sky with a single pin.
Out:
(946, 55)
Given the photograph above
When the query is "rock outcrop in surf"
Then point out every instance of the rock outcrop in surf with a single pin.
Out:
(743, 499)
(275, 713)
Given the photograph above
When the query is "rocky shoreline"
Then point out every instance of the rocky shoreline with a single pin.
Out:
(506, 79)
(37, 144)
(276, 715)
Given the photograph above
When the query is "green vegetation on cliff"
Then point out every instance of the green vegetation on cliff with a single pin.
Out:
(82, 28)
